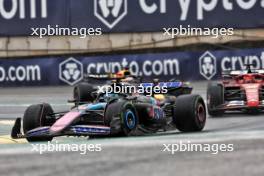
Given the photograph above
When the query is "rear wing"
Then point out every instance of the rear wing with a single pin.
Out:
(164, 84)
(98, 77)
(240, 72)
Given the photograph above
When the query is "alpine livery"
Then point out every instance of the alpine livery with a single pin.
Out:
(115, 115)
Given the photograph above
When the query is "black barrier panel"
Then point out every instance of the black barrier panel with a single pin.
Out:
(18, 16)
(187, 66)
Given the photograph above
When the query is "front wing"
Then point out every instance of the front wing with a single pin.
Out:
(75, 130)
(238, 106)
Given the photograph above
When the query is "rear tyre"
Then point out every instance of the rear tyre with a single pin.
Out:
(122, 117)
(189, 113)
(83, 93)
(215, 97)
(36, 116)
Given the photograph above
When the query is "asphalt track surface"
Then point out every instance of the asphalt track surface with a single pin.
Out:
(133, 155)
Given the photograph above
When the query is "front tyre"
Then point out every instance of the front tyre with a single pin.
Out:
(189, 113)
(215, 97)
(36, 116)
(122, 117)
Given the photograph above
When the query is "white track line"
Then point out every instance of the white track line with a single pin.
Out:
(7, 122)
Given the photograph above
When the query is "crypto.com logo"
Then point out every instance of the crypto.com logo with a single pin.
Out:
(207, 64)
(71, 71)
(110, 12)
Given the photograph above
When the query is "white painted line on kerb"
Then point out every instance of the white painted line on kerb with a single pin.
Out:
(7, 122)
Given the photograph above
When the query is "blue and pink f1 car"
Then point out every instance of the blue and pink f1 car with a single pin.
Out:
(114, 115)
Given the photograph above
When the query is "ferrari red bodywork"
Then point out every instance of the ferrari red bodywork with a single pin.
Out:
(239, 90)
(246, 89)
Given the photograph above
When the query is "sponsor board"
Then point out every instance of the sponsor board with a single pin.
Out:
(17, 17)
(110, 12)
(124, 15)
(189, 66)
(71, 71)
(207, 65)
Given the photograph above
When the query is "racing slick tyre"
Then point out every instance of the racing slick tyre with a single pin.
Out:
(83, 93)
(122, 117)
(215, 97)
(36, 116)
(189, 113)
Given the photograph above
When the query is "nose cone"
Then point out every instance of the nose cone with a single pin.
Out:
(252, 93)
(64, 122)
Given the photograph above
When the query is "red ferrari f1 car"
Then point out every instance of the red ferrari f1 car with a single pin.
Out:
(238, 91)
